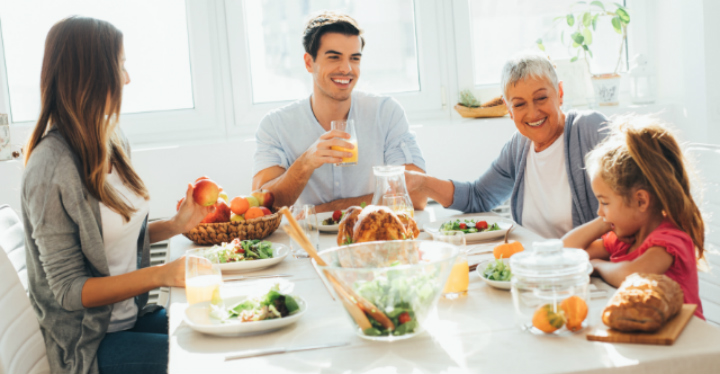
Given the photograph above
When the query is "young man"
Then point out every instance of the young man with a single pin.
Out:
(294, 158)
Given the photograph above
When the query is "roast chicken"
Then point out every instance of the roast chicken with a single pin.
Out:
(374, 223)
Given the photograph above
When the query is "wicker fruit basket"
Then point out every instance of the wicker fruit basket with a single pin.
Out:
(480, 112)
(218, 233)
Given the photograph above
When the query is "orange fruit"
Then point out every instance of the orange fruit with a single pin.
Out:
(575, 310)
(507, 249)
(547, 319)
(239, 205)
(253, 212)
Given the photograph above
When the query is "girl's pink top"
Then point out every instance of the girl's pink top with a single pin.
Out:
(678, 244)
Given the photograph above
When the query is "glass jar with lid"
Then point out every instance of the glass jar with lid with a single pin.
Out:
(550, 288)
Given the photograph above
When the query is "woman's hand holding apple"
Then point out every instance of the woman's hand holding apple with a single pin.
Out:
(190, 213)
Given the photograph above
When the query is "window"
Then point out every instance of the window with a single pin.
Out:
(274, 32)
(156, 47)
(500, 29)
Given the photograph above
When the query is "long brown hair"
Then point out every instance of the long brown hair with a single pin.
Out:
(641, 153)
(81, 93)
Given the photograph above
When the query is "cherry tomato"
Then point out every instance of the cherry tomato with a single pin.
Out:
(463, 226)
(404, 317)
(481, 225)
(337, 215)
(239, 250)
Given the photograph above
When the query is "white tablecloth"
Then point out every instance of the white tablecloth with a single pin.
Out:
(471, 334)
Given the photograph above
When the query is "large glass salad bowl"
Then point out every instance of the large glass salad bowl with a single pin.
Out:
(388, 288)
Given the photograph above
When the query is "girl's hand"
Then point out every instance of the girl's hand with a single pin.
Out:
(190, 213)
(172, 274)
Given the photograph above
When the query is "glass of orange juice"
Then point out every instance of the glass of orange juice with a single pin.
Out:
(347, 126)
(457, 283)
(202, 279)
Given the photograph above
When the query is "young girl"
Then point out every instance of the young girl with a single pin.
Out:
(648, 221)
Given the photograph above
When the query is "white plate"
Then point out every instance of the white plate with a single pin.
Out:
(503, 285)
(434, 227)
(326, 228)
(197, 316)
(280, 251)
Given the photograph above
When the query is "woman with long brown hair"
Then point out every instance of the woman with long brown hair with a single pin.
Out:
(85, 212)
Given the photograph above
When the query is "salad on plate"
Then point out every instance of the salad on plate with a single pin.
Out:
(335, 219)
(272, 305)
(497, 270)
(469, 226)
(240, 250)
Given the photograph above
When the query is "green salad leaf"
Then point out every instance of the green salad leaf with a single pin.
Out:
(498, 271)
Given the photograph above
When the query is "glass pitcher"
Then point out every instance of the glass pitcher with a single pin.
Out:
(391, 191)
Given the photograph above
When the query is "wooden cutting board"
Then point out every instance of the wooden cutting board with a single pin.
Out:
(665, 336)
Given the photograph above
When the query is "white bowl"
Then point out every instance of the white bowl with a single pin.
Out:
(503, 285)
(434, 227)
(197, 316)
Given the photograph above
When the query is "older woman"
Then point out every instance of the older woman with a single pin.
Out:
(542, 167)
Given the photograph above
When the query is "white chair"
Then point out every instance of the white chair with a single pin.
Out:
(706, 159)
(22, 348)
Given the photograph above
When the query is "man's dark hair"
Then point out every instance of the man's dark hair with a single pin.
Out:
(326, 22)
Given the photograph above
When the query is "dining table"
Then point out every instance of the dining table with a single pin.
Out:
(475, 333)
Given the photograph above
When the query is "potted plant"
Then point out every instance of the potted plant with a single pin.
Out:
(470, 107)
(582, 22)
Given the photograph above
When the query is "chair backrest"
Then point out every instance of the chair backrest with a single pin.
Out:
(22, 347)
(706, 191)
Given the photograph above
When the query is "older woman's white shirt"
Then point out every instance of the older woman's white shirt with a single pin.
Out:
(547, 208)
(120, 239)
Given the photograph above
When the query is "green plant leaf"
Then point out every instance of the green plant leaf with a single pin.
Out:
(598, 4)
(570, 19)
(540, 45)
(587, 35)
(575, 45)
(624, 16)
(616, 24)
(588, 50)
(574, 59)
(587, 19)
(594, 22)
(577, 37)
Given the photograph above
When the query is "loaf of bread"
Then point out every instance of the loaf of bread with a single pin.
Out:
(644, 302)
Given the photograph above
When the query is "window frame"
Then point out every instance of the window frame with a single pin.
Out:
(426, 101)
(206, 119)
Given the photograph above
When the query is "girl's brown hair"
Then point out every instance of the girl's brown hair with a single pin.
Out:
(643, 154)
(81, 93)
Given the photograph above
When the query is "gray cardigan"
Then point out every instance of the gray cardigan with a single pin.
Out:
(65, 248)
(583, 131)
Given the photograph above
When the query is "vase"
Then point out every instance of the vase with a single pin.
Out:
(607, 88)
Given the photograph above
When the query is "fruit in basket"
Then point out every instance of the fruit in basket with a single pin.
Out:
(224, 196)
(265, 210)
(254, 212)
(265, 198)
(575, 310)
(239, 205)
(547, 319)
(237, 218)
(222, 211)
(252, 201)
(206, 192)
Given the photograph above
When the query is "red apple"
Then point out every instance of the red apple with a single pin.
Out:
(265, 198)
(222, 211)
(265, 211)
(206, 192)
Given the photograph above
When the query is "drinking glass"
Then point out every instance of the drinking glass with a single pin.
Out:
(347, 126)
(308, 221)
(399, 204)
(4, 135)
(202, 279)
(457, 283)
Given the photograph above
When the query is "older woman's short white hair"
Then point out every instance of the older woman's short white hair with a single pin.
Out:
(527, 65)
